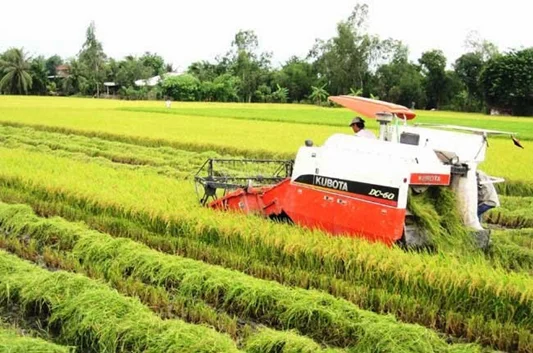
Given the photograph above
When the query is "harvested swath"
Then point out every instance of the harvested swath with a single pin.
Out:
(253, 338)
(271, 341)
(313, 313)
(334, 263)
(92, 316)
(149, 203)
(504, 249)
(436, 211)
(415, 309)
(13, 342)
(518, 188)
(514, 212)
(157, 142)
(521, 237)
(162, 160)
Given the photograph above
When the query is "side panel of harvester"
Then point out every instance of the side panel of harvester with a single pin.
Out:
(361, 194)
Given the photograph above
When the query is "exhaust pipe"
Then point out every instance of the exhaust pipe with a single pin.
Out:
(384, 118)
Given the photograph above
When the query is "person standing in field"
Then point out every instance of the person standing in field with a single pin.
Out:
(358, 126)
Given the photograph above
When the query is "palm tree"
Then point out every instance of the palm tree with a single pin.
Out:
(318, 94)
(281, 93)
(356, 93)
(14, 70)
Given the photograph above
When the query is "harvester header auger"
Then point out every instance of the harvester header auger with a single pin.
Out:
(358, 186)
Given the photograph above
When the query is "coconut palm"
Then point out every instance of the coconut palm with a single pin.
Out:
(14, 72)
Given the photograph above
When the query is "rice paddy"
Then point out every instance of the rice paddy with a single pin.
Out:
(97, 201)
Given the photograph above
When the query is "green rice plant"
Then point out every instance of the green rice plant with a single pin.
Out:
(90, 315)
(515, 188)
(506, 250)
(315, 314)
(148, 200)
(12, 341)
(409, 308)
(271, 341)
(436, 212)
(521, 237)
(514, 212)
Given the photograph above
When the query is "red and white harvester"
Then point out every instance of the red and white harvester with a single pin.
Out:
(357, 186)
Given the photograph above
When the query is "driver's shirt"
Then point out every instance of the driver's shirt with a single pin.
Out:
(366, 133)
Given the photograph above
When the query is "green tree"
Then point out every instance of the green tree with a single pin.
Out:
(203, 70)
(132, 69)
(52, 63)
(75, 82)
(226, 88)
(154, 62)
(507, 82)
(185, 87)
(15, 72)
(39, 76)
(400, 82)
(433, 64)
(281, 94)
(92, 59)
(468, 68)
(247, 64)
(298, 76)
(344, 61)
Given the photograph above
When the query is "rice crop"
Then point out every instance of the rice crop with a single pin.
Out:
(125, 169)
(313, 313)
(91, 316)
(227, 135)
(296, 248)
(12, 341)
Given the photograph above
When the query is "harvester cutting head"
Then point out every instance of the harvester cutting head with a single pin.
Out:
(216, 177)
(357, 186)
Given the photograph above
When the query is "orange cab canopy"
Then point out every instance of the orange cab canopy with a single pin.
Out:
(369, 107)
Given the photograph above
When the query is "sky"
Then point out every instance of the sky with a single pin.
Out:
(187, 31)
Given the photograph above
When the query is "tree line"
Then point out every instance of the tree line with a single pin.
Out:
(351, 62)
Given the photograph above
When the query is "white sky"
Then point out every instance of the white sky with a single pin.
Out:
(186, 31)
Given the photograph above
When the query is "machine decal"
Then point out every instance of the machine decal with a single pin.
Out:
(354, 187)
(429, 179)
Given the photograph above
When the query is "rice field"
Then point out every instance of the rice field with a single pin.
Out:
(104, 247)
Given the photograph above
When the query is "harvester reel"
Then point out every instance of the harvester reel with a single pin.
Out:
(209, 180)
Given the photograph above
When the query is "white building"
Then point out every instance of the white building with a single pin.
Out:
(152, 81)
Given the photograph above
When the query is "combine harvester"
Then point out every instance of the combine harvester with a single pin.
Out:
(359, 187)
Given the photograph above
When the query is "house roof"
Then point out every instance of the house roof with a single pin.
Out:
(152, 81)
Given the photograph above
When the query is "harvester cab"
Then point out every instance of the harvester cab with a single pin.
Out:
(356, 186)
